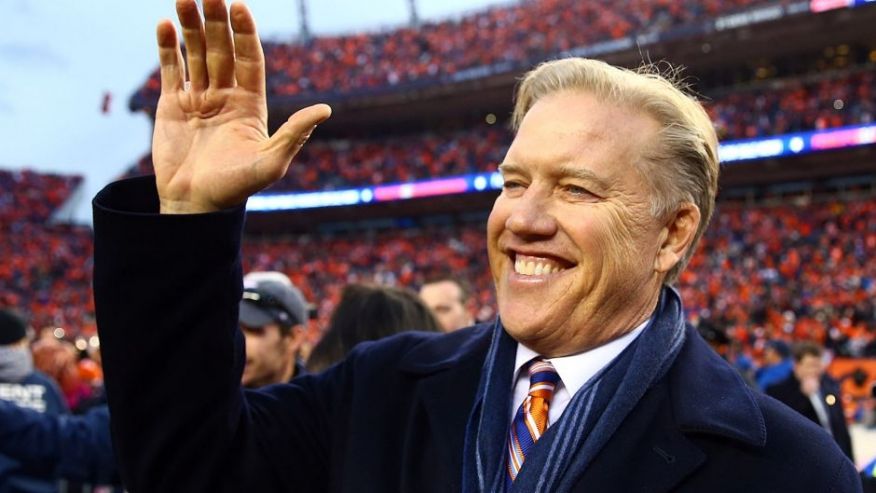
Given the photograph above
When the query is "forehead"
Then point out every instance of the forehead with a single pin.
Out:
(441, 289)
(810, 360)
(576, 128)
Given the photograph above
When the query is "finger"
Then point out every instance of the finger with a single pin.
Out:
(249, 65)
(220, 49)
(290, 137)
(193, 34)
(169, 57)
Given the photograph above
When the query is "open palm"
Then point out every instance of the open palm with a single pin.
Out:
(211, 147)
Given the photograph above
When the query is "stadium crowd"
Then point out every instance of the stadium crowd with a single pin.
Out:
(517, 34)
(45, 269)
(795, 105)
(789, 272)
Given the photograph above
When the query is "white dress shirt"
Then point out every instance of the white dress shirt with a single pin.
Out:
(821, 411)
(574, 371)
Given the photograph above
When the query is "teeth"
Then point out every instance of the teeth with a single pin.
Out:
(535, 267)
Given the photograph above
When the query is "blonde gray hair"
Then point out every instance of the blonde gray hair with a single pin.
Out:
(682, 162)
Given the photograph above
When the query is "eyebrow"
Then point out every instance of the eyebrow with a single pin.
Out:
(563, 171)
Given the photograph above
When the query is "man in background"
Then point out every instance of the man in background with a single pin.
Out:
(449, 299)
(273, 318)
(28, 388)
(810, 391)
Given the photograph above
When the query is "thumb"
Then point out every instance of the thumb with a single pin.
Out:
(291, 136)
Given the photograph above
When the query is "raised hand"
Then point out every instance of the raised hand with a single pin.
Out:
(211, 148)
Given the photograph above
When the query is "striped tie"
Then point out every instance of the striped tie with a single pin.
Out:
(531, 418)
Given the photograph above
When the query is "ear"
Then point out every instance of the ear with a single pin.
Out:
(677, 237)
(296, 338)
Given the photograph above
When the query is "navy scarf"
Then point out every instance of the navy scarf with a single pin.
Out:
(568, 446)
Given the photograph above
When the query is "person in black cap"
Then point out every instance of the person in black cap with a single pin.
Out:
(273, 316)
(28, 388)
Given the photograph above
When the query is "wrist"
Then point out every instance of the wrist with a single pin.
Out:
(167, 206)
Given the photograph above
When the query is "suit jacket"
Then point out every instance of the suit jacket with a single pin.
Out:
(393, 415)
(788, 391)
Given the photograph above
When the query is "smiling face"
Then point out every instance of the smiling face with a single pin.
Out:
(574, 249)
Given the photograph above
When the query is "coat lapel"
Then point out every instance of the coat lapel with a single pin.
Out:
(448, 369)
(648, 453)
(651, 451)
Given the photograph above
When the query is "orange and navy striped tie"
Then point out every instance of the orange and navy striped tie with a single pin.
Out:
(531, 418)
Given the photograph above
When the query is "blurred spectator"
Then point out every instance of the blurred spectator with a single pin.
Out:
(777, 365)
(812, 393)
(273, 316)
(368, 313)
(72, 448)
(59, 360)
(25, 387)
(449, 299)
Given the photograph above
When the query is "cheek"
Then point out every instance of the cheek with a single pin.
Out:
(495, 227)
(496, 220)
(622, 244)
(253, 346)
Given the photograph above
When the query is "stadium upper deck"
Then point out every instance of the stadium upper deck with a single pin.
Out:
(506, 40)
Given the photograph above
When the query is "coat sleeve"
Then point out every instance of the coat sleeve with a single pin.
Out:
(65, 447)
(167, 289)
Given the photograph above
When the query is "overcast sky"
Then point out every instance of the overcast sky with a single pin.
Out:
(58, 58)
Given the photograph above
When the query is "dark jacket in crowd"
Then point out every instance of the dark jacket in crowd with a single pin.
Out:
(41, 394)
(788, 391)
(74, 448)
(393, 415)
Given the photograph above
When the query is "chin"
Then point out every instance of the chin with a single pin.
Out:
(519, 321)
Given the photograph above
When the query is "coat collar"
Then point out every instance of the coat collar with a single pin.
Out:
(700, 394)
(443, 351)
(708, 396)
(448, 369)
(705, 395)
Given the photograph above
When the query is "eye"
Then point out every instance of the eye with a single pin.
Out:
(511, 186)
(577, 191)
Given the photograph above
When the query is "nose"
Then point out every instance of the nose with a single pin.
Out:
(531, 215)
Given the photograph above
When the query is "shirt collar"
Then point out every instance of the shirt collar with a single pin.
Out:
(577, 369)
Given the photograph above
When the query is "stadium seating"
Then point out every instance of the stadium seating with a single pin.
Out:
(518, 35)
(45, 269)
(795, 105)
